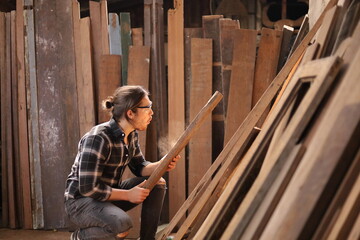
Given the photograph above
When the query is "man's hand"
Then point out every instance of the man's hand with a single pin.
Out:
(172, 164)
(138, 194)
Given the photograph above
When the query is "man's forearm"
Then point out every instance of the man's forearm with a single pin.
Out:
(149, 169)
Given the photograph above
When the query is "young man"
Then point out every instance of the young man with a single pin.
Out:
(96, 198)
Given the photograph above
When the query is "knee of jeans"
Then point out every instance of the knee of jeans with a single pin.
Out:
(161, 184)
(119, 224)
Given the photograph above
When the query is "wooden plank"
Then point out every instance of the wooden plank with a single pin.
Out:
(286, 45)
(114, 34)
(125, 30)
(137, 36)
(104, 27)
(266, 61)
(154, 37)
(242, 78)
(234, 149)
(211, 29)
(227, 26)
(200, 158)
(23, 130)
(189, 33)
(139, 74)
(57, 109)
(3, 102)
(110, 79)
(176, 102)
(85, 85)
(33, 121)
(328, 222)
(96, 41)
(293, 131)
(324, 152)
(183, 140)
(14, 173)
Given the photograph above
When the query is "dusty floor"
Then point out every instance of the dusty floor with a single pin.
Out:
(9, 234)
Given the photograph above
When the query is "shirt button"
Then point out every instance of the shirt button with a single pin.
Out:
(126, 155)
(122, 134)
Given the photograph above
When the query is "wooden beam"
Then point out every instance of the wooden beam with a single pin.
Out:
(183, 140)
(137, 36)
(176, 102)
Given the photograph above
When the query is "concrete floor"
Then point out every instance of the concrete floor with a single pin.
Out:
(9, 234)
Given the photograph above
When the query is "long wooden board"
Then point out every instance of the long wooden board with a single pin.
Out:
(110, 79)
(211, 29)
(200, 157)
(242, 78)
(85, 85)
(57, 109)
(33, 121)
(176, 101)
(23, 131)
(227, 25)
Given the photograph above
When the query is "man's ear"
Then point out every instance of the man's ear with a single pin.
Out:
(130, 114)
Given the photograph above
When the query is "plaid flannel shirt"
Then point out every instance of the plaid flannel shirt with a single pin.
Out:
(101, 160)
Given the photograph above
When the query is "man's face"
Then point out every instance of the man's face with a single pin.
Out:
(143, 115)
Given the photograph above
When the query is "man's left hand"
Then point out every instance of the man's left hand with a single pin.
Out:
(173, 162)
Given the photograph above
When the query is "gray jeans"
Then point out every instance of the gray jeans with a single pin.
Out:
(104, 220)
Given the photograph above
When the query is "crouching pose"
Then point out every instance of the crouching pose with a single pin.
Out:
(96, 196)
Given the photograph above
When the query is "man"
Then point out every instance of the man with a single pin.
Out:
(96, 198)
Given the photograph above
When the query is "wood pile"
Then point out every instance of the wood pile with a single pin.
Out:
(297, 176)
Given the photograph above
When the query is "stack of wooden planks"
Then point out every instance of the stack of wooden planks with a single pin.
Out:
(296, 176)
(52, 84)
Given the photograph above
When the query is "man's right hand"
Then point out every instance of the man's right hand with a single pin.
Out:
(138, 194)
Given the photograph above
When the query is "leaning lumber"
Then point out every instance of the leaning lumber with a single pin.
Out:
(183, 140)
(176, 100)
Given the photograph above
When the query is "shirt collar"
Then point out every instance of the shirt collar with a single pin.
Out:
(114, 126)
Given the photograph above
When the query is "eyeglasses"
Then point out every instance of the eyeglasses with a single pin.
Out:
(148, 106)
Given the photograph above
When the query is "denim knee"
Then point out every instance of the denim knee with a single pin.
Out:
(119, 224)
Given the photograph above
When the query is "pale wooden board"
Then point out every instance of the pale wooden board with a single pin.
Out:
(85, 85)
(23, 131)
(176, 103)
(324, 152)
(200, 158)
(114, 34)
(242, 78)
(110, 79)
